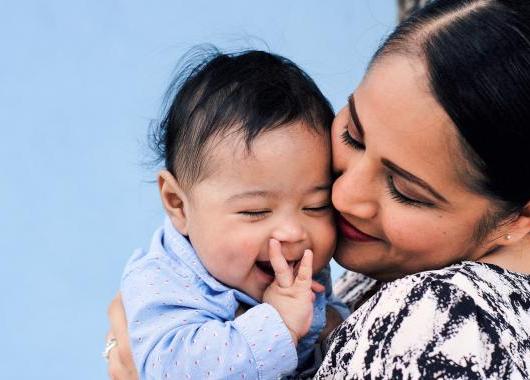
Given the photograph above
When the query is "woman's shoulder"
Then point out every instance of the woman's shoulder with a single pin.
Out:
(468, 277)
(487, 286)
(468, 300)
(467, 319)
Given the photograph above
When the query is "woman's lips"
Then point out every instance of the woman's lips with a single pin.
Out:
(352, 233)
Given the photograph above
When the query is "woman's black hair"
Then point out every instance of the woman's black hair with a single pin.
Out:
(241, 94)
(477, 57)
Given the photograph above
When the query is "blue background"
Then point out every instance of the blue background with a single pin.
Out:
(79, 82)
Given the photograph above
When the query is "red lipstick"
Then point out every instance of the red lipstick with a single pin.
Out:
(352, 233)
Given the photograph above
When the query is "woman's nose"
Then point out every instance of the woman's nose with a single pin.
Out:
(355, 191)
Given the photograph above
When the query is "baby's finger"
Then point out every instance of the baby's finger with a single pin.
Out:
(317, 287)
(305, 271)
(282, 270)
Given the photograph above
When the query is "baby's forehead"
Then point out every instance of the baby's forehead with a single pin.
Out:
(295, 150)
(238, 144)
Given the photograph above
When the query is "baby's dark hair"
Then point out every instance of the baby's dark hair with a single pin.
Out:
(240, 94)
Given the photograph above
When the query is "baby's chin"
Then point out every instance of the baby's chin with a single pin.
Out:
(256, 294)
(257, 287)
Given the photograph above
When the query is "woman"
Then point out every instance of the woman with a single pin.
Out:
(432, 195)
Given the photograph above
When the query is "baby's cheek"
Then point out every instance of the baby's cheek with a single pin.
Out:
(324, 247)
(247, 246)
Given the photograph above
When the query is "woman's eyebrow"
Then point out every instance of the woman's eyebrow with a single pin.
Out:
(412, 178)
(354, 116)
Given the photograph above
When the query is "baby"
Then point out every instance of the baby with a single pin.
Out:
(226, 290)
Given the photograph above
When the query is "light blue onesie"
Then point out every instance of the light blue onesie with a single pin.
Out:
(182, 321)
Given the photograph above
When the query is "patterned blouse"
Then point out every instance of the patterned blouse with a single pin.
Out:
(466, 321)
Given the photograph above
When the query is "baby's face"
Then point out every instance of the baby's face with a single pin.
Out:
(280, 190)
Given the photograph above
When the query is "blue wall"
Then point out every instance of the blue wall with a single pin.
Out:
(79, 82)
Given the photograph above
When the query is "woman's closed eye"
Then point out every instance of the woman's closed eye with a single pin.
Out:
(392, 189)
(402, 198)
(350, 141)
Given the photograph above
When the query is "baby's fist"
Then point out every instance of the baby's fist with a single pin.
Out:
(291, 296)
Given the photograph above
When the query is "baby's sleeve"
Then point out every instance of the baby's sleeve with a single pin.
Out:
(176, 333)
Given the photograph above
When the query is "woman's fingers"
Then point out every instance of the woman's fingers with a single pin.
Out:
(282, 270)
(115, 368)
(305, 270)
(121, 365)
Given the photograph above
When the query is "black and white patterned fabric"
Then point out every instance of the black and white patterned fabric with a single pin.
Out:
(466, 321)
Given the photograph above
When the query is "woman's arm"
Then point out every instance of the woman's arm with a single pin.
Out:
(120, 364)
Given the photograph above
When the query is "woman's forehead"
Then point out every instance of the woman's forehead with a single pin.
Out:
(400, 86)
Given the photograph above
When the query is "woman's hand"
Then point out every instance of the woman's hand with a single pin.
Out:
(120, 365)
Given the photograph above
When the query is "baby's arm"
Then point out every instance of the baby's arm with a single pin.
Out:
(175, 335)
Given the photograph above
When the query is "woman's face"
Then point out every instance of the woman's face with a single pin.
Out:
(402, 203)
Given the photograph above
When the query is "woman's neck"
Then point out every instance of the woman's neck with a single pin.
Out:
(515, 257)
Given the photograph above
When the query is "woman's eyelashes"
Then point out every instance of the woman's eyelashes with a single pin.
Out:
(392, 190)
(350, 141)
(401, 198)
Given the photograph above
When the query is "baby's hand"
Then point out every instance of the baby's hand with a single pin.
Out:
(292, 297)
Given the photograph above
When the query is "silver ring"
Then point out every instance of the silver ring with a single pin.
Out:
(109, 345)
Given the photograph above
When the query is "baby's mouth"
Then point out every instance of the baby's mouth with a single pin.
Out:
(266, 266)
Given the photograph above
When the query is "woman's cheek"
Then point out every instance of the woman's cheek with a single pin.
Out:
(339, 195)
(417, 241)
(412, 234)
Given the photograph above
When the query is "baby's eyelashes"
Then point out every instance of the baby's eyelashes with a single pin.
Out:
(323, 208)
(255, 214)
(264, 212)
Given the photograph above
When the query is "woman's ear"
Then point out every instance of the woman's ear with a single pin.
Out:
(174, 200)
(518, 228)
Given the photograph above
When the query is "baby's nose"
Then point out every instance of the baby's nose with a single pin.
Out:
(290, 233)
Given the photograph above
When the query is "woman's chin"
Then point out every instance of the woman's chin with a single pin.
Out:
(355, 258)
(366, 261)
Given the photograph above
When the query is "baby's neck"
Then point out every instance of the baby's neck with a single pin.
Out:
(242, 308)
